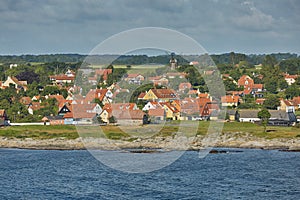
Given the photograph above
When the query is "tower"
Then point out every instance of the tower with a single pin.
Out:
(173, 61)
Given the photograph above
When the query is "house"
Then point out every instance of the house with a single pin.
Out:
(286, 105)
(151, 105)
(106, 114)
(249, 86)
(281, 118)
(68, 77)
(3, 118)
(194, 63)
(11, 80)
(59, 98)
(110, 109)
(141, 96)
(130, 117)
(171, 112)
(134, 78)
(25, 101)
(83, 117)
(296, 102)
(159, 80)
(157, 115)
(257, 88)
(184, 86)
(247, 115)
(260, 101)
(54, 120)
(190, 106)
(103, 95)
(33, 106)
(69, 118)
(163, 95)
(103, 72)
(172, 75)
(35, 98)
(90, 108)
(245, 81)
(232, 114)
(231, 101)
(278, 117)
(290, 79)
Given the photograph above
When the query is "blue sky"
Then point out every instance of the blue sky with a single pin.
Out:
(77, 26)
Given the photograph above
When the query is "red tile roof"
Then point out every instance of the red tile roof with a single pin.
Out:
(230, 99)
(129, 114)
(156, 112)
(165, 93)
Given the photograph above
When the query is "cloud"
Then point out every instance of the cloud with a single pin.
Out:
(33, 26)
(254, 19)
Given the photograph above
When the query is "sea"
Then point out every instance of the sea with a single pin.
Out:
(76, 174)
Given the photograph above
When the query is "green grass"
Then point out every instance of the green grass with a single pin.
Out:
(39, 132)
(188, 128)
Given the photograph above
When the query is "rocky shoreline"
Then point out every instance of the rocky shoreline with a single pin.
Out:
(224, 140)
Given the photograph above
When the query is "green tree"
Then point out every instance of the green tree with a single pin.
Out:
(264, 115)
(272, 102)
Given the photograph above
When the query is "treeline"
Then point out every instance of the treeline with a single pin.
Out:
(41, 58)
(228, 58)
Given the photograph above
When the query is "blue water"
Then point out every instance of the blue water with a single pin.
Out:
(250, 174)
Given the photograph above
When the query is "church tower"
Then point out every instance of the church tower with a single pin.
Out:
(173, 61)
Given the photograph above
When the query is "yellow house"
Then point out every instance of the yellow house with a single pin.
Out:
(164, 95)
(171, 112)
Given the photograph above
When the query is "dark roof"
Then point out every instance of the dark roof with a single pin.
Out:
(58, 117)
(275, 114)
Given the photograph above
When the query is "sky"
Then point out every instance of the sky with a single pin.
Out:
(78, 26)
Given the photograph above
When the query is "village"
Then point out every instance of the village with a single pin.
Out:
(160, 101)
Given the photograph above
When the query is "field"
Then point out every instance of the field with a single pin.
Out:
(131, 132)
(142, 69)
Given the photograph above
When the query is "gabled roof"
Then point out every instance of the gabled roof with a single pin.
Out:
(260, 101)
(141, 96)
(258, 86)
(83, 107)
(58, 97)
(230, 99)
(165, 93)
(95, 94)
(123, 106)
(296, 100)
(129, 114)
(25, 100)
(83, 115)
(183, 86)
(35, 105)
(156, 112)
(287, 102)
(244, 79)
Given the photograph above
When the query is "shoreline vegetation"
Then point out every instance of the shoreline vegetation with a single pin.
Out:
(66, 137)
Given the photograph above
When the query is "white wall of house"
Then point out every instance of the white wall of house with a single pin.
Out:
(249, 119)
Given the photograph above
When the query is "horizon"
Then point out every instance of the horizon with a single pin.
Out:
(223, 53)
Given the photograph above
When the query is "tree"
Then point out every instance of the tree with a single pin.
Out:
(264, 115)
(112, 120)
(271, 85)
(292, 91)
(272, 102)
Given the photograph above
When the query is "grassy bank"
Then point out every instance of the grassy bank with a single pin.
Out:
(115, 132)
